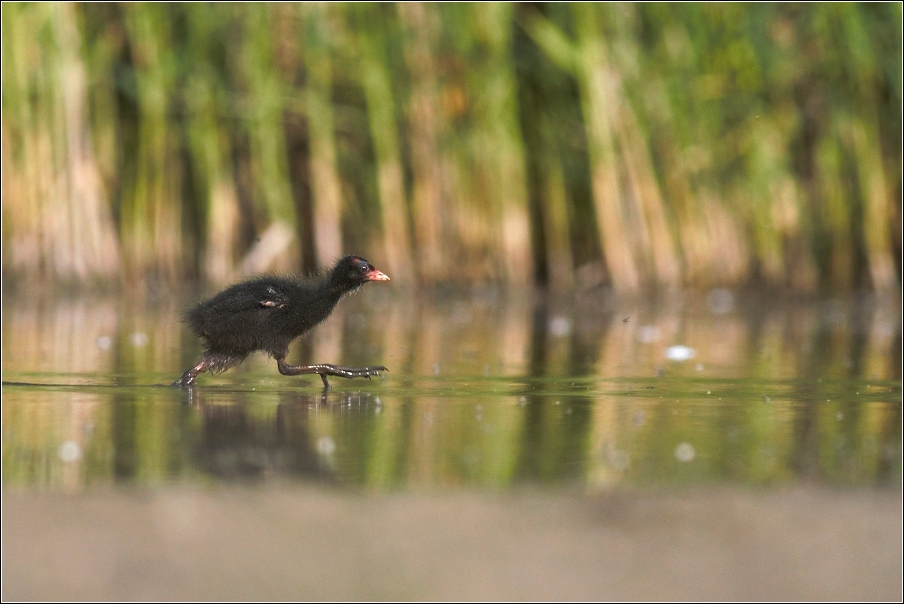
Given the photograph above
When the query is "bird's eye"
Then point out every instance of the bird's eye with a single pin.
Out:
(362, 268)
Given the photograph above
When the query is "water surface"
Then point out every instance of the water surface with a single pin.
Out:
(718, 446)
(484, 390)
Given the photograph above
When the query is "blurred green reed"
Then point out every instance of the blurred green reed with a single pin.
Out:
(648, 145)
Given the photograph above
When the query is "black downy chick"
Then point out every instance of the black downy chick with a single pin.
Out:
(267, 313)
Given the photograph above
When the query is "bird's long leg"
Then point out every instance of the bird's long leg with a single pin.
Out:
(189, 376)
(214, 362)
(324, 370)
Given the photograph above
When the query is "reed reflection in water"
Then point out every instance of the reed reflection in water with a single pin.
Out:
(486, 388)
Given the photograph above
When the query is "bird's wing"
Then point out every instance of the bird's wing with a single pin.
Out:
(245, 297)
(272, 297)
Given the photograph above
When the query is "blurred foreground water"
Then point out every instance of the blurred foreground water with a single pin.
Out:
(486, 389)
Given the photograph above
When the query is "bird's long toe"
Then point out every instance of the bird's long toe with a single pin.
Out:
(366, 371)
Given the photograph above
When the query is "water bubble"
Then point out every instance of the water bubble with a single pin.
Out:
(326, 445)
(70, 451)
(104, 342)
(436, 369)
(680, 353)
(721, 301)
(138, 339)
(647, 334)
(560, 326)
(618, 459)
(685, 452)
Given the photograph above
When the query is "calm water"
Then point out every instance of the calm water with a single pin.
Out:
(485, 390)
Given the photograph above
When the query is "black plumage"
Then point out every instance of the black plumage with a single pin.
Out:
(267, 313)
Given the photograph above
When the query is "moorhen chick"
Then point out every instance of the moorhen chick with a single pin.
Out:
(266, 313)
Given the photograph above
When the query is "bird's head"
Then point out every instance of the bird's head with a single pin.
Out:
(351, 272)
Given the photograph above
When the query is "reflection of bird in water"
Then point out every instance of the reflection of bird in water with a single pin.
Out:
(234, 444)
(267, 313)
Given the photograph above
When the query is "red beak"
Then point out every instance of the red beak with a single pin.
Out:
(376, 275)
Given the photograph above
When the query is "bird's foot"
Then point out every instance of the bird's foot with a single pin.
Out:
(187, 380)
(336, 370)
(349, 372)
(354, 372)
